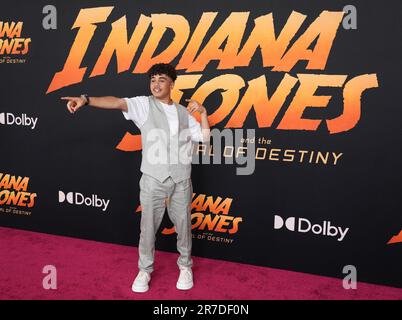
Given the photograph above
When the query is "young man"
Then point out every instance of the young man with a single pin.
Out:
(167, 132)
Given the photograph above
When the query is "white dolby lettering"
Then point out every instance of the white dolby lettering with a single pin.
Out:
(92, 201)
(78, 198)
(325, 229)
(304, 226)
(23, 120)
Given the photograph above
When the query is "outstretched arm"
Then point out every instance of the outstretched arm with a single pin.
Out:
(107, 102)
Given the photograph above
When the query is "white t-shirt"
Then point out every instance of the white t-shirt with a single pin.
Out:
(138, 108)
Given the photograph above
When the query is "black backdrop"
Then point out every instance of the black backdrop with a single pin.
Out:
(79, 153)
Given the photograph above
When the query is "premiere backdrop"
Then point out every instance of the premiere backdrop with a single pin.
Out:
(317, 81)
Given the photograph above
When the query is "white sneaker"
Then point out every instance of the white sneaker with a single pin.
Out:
(140, 283)
(185, 281)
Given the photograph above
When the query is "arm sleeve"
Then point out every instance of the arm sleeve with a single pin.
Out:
(195, 129)
(137, 110)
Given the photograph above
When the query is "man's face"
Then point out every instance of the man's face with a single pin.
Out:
(161, 85)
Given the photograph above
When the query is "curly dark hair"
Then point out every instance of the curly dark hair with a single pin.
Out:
(163, 68)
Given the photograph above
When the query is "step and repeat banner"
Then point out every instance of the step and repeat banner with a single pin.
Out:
(303, 171)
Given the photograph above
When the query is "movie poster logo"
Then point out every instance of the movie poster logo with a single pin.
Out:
(78, 199)
(261, 148)
(13, 45)
(20, 120)
(15, 198)
(303, 225)
(302, 40)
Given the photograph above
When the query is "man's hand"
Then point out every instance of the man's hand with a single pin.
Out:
(74, 103)
(195, 106)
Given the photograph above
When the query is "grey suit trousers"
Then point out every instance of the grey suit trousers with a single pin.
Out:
(153, 194)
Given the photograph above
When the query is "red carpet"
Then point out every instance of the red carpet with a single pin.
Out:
(95, 270)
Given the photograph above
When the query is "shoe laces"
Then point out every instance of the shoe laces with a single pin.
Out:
(142, 275)
(186, 274)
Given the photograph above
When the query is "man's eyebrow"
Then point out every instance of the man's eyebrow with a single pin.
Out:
(161, 77)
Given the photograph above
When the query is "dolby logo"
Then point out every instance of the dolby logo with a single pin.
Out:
(23, 120)
(304, 226)
(79, 199)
